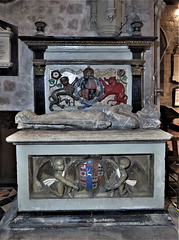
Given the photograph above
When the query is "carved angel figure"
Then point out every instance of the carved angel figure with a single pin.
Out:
(52, 175)
(120, 176)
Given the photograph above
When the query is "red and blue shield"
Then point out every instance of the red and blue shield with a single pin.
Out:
(91, 173)
(88, 89)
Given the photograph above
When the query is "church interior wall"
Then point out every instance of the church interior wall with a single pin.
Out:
(63, 18)
(169, 26)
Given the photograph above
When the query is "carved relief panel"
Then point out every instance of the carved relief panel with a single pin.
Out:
(91, 176)
(80, 87)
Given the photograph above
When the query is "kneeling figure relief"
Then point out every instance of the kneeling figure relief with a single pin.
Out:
(91, 176)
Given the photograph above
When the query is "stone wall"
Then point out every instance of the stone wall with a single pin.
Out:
(169, 26)
(63, 18)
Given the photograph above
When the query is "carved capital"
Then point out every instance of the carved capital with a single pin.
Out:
(39, 68)
(137, 69)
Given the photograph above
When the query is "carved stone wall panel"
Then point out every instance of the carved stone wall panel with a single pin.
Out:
(91, 176)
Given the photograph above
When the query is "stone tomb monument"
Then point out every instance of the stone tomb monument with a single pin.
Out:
(90, 145)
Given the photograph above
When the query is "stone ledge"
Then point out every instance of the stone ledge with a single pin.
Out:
(71, 137)
(90, 218)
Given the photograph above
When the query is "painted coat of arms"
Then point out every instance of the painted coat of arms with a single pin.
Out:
(91, 174)
(84, 88)
(88, 88)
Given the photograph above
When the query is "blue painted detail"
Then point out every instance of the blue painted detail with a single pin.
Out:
(90, 102)
(89, 174)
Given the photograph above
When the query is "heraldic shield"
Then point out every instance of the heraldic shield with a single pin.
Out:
(88, 89)
(91, 174)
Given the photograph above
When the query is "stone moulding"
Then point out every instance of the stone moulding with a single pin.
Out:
(88, 41)
(132, 62)
(53, 136)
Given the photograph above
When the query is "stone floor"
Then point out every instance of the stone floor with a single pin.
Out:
(163, 226)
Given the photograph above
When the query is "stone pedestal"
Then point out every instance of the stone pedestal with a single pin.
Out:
(144, 148)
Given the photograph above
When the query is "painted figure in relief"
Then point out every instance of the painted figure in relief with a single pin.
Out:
(119, 178)
(68, 89)
(52, 175)
(112, 87)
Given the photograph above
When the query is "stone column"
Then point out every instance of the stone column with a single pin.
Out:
(158, 9)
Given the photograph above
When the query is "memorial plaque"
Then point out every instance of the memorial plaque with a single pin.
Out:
(5, 48)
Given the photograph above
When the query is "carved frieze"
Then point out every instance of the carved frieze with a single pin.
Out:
(91, 176)
(39, 42)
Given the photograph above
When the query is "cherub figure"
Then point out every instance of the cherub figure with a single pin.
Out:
(52, 175)
(118, 179)
(68, 89)
(122, 175)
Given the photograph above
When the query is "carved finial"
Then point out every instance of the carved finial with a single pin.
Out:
(40, 25)
(136, 25)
